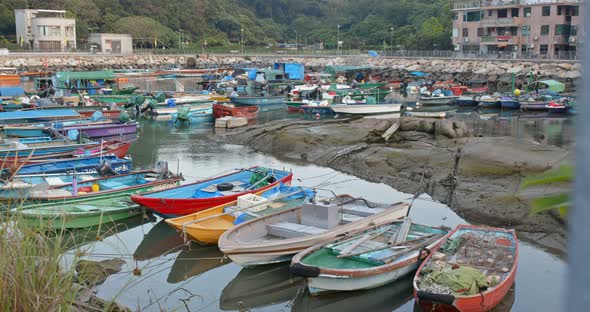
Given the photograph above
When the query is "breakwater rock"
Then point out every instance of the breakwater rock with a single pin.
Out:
(497, 72)
(478, 177)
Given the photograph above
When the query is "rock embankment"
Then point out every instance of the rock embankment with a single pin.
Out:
(496, 72)
(478, 177)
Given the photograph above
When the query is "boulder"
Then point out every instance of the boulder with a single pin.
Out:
(93, 273)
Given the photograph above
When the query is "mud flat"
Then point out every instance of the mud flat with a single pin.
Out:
(477, 177)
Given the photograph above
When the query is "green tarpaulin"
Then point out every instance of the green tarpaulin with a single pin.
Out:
(89, 75)
(551, 85)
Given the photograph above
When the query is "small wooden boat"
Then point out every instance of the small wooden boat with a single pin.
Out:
(466, 101)
(124, 184)
(557, 108)
(488, 101)
(40, 150)
(30, 156)
(37, 115)
(317, 109)
(78, 165)
(366, 109)
(509, 102)
(201, 195)
(104, 131)
(266, 103)
(482, 260)
(426, 114)
(279, 236)
(110, 113)
(366, 259)
(194, 116)
(77, 214)
(437, 100)
(533, 105)
(208, 225)
(294, 106)
(222, 110)
(21, 185)
(44, 129)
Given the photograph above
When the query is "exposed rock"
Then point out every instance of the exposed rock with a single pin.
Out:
(93, 273)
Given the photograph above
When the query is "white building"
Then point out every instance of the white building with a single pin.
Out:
(45, 30)
(112, 43)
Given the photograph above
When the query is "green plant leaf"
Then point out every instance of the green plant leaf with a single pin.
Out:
(561, 202)
(564, 173)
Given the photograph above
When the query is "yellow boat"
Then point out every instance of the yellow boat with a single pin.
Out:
(215, 221)
(219, 98)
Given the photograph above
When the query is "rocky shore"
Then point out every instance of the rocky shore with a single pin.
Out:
(497, 72)
(478, 177)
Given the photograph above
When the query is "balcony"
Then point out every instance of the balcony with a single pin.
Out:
(498, 39)
(471, 4)
(498, 22)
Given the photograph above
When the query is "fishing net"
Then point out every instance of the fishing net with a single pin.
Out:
(124, 117)
(160, 97)
(462, 280)
(183, 113)
(259, 177)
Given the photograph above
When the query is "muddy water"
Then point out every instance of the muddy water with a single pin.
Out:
(177, 277)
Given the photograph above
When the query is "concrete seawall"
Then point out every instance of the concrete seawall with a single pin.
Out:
(497, 72)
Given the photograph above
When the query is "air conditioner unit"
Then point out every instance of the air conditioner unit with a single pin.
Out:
(457, 47)
(572, 39)
(536, 38)
(465, 39)
(531, 46)
(515, 48)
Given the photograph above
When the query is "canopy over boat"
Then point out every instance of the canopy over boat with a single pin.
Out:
(551, 85)
(334, 70)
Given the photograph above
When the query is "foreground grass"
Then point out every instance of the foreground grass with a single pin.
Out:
(32, 275)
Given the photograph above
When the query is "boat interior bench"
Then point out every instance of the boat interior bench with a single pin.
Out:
(292, 230)
(86, 208)
(360, 210)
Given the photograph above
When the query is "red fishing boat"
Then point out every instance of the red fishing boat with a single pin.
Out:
(201, 195)
(481, 261)
(226, 109)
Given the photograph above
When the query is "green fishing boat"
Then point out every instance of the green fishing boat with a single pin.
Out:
(77, 214)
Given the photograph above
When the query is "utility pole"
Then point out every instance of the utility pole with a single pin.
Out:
(338, 41)
(242, 40)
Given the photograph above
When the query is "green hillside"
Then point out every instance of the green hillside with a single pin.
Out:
(409, 24)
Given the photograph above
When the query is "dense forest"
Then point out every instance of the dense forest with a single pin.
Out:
(360, 24)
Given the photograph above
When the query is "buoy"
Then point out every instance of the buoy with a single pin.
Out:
(516, 92)
(317, 116)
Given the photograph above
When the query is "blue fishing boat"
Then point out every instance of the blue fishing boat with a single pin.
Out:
(37, 115)
(266, 103)
(194, 116)
(21, 185)
(488, 101)
(43, 129)
(81, 165)
(38, 152)
(509, 102)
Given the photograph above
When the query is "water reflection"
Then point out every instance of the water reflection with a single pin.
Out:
(194, 260)
(385, 298)
(260, 286)
(159, 241)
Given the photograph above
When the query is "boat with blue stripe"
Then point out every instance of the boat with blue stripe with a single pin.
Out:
(81, 165)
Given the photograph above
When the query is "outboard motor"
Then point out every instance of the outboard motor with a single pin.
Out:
(105, 169)
(162, 169)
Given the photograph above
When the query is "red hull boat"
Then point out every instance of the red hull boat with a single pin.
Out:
(222, 110)
(493, 252)
(205, 194)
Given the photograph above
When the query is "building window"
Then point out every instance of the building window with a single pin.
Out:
(515, 12)
(503, 13)
(559, 9)
(575, 11)
(527, 12)
(526, 30)
(574, 31)
(546, 11)
(43, 30)
(472, 16)
(55, 31)
(69, 31)
(513, 31)
(523, 48)
(544, 30)
(456, 16)
(490, 12)
(562, 30)
(465, 32)
(480, 32)
(543, 49)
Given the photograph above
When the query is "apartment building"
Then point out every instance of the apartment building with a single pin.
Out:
(519, 28)
(45, 30)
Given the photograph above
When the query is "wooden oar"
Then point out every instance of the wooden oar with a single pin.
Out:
(366, 237)
(21, 165)
(391, 245)
(406, 251)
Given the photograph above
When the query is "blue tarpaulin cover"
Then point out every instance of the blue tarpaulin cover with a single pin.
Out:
(373, 54)
(418, 74)
(12, 91)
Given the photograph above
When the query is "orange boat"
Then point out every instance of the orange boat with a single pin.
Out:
(481, 261)
(222, 110)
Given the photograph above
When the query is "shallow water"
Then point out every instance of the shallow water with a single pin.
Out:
(174, 276)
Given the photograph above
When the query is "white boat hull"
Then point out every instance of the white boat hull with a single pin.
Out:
(366, 109)
(442, 100)
(328, 283)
